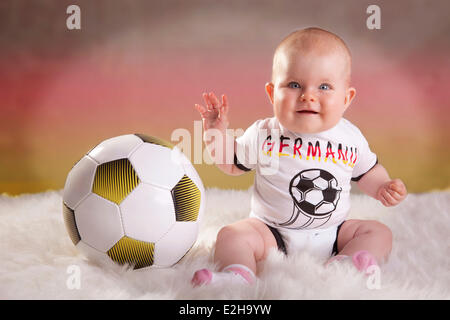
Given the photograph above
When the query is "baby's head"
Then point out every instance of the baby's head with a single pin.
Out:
(310, 87)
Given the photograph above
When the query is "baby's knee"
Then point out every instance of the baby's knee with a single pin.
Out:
(384, 234)
(240, 233)
(232, 232)
(226, 233)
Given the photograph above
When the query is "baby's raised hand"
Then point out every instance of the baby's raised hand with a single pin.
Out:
(215, 114)
(392, 192)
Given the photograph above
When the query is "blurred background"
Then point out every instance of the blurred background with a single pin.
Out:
(140, 66)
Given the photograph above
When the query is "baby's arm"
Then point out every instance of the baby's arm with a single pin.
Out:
(377, 184)
(215, 117)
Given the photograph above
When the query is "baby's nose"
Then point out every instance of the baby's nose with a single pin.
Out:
(307, 96)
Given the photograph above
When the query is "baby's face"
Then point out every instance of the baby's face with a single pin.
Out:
(310, 91)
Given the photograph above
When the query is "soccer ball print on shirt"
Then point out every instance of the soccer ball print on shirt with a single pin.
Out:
(315, 195)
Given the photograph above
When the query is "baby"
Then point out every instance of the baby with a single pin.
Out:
(304, 202)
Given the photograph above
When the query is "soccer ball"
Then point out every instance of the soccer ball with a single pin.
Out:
(135, 200)
(315, 194)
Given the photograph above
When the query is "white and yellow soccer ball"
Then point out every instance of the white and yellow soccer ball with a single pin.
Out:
(135, 200)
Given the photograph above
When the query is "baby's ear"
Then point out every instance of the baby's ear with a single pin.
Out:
(351, 93)
(269, 90)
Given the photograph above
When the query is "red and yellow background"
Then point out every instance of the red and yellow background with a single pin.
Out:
(140, 66)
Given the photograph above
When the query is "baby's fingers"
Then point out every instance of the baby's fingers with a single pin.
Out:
(384, 202)
(214, 101)
(201, 109)
(397, 190)
(398, 186)
(224, 108)
(207, 101)
(387, 199)
(394, 194)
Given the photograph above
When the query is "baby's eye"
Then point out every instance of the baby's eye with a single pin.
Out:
(293, 85)
(324, 86)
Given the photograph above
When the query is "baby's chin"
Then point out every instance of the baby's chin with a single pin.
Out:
(307, 127)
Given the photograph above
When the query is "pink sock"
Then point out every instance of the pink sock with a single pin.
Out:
(202, 276)
(234, 272)
(241, 270)
(363, 260)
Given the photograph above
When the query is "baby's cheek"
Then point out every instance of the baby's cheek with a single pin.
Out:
(281, 104)
(281, 98)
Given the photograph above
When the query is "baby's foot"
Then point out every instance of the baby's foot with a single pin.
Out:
(233, 273)
(362, 260)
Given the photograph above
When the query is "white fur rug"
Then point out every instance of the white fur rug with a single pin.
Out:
(36, 256)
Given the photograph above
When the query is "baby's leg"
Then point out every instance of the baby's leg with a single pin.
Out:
(239, 247)
(245, 242)
(365, 240)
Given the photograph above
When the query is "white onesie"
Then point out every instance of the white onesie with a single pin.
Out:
(302, 181)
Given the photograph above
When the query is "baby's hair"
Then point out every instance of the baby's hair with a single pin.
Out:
(310, 39)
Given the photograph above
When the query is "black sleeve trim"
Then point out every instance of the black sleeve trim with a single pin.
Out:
(360, 176)
(239, 165)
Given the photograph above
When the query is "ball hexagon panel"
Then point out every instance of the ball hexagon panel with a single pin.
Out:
(147, 213)
(333, 184)
(305, 185)
(71, 225)
(154, 140)
(114, 180)
(175, 243)
(307, 208)
(330, 195)
(326, 175)
(336, 199)
(297, 195)
(193, 175)
(187, 199)
(320, 183)
(115, 148)
(99, 222)
(310, 174)
(154, 165)
(79, 182)
(314, 196)
(138, 254)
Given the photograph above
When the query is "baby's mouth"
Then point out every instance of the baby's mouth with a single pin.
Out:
(306, 112)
